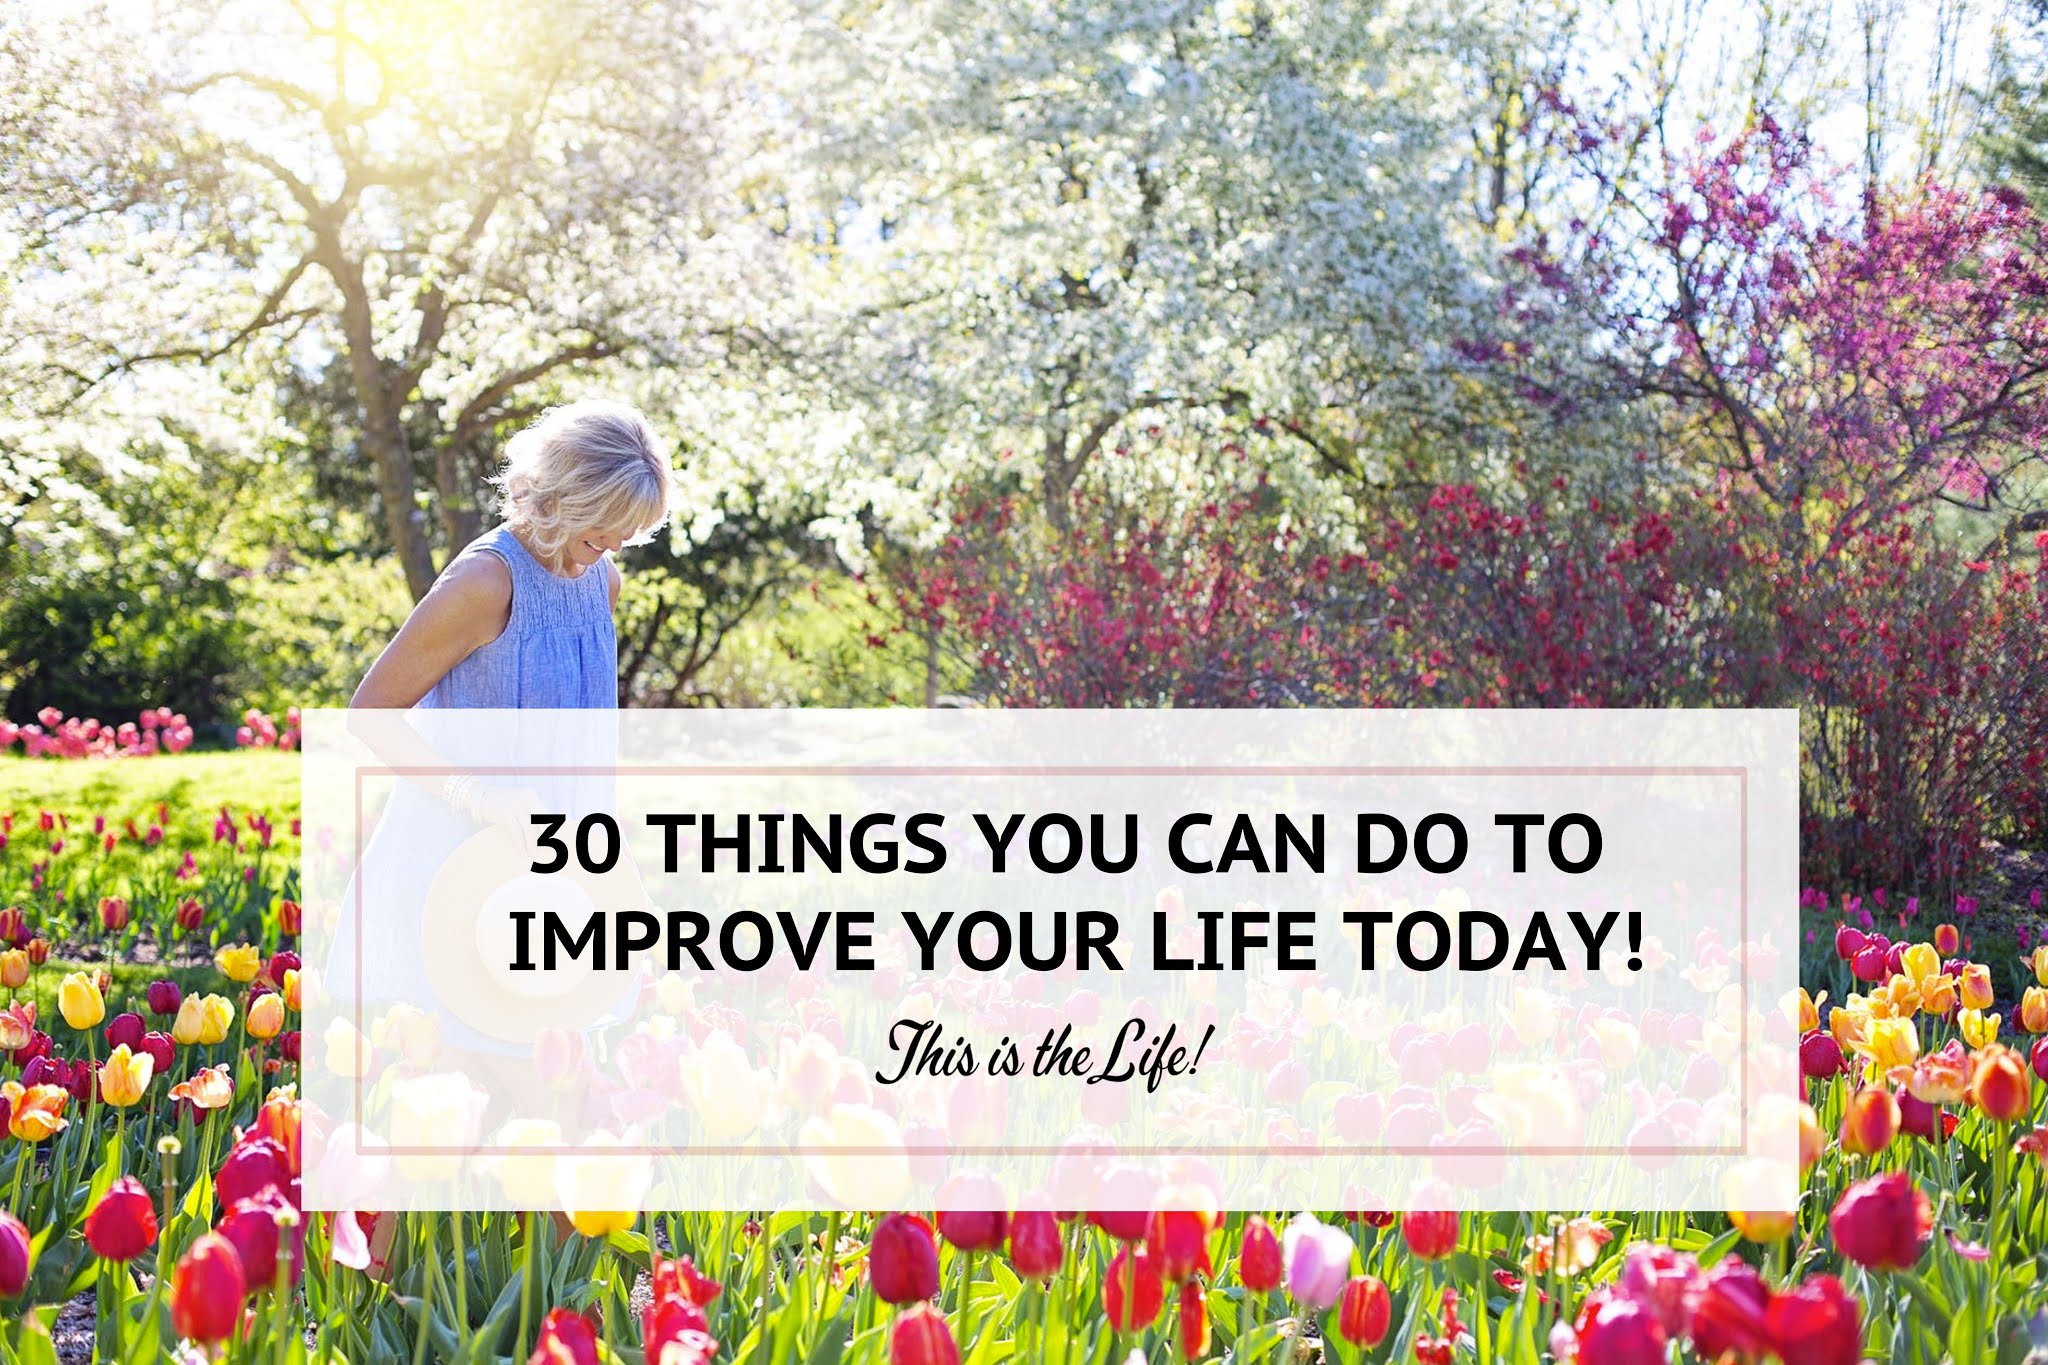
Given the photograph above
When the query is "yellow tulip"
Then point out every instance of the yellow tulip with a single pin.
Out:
(1920, 962)
(289, 988)
(216, 1017)
(2038, 959)
(1977, 1027)
(2034, 1010)
(1898, 998)
(1812, 1142)
(266, 1015)
(602, 1224)
(1762, 1227)
(185, 1028)
(239, 962)
(1938, 995)
(1890, 1043)
(35, 1112)
(14, 969)
(1977, 987)
(1848, 1022)
(1809, 1012)
(80, 1002)
(125, 1075)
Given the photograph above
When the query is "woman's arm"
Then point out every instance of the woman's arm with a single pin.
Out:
(467, 608)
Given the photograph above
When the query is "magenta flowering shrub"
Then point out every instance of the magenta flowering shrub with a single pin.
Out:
(54, 735)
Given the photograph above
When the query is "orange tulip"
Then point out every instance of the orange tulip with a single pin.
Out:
(2000, 1085)
(1870, 1120)
(35, 1112)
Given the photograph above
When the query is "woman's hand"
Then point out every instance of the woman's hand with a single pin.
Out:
(468, 607)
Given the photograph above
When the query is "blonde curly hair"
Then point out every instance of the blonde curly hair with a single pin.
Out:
(594, 463)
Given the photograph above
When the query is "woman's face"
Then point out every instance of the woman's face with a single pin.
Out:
(585, 548)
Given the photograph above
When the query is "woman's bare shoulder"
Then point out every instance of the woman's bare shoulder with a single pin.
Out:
(471, 598)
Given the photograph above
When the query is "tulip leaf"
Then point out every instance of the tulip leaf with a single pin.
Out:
(1928, 1298)
(1969, 1333)
(1715, 1250)
(32, 1344)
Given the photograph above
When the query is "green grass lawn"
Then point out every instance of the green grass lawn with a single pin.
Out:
(254, 779)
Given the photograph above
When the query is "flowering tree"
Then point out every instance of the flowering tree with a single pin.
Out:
(463, 203)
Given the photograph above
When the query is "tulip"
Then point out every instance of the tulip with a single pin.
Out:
(17, 1256)
(1431, 1235)
(2000, 1086)
(207, 1290)
(1978, 1028)
(113, 914)
(671, 1320)
(1731, 1313)
(1848, 942)
(1132, 1292)
(1666, 1282)
(216, 1017)
(1762, 1228)
(1921, 1119)
(1258, 1258)
(903, 1259)
(1817, 1323)
(1613, 1329)
(1177, 1239)
(1820, 1056)
(122, 1225)
(1870, 965)
(81, 1002)
(1882, 1223)
(187, 1027)
(164, 997)
(1809, 1011)
(679, 1278)
(266, 1016)
(1941, 1077)
(162, 1051)
(191, 915)
(1976, 987)
(209, 1088)
(2039, 1057)
(34, 1112)
(2034, 1009)
(290, 917)
(289, 989)
(921, 1337)
(1364, 1311)
(13, 969)
(1890, 1043)
(1035, 1246)
(596, 1223)
(1318, 1261)
(13, 926)
(255, 1226)
(973, 1231)
(1948, 940)
(1870, 1119)
(1193, 1321)
(124, 1076)
(1812, 1142)
(239, 962)
(566, 1338)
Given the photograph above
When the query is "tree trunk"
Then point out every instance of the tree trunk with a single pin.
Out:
(461, 518)
(404, 522)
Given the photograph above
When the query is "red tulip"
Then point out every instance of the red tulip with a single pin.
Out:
(1132, 1292)
(1431, 1235)
(1817, 1323)
(113, 914)
(290, 918)
(2000, 1086)
(285, 960)
(674, 1319)
(680, 1279)
(1869, 965)
(1820, 1056)
(252, 1225)
(1870, 1120)
(1193, 1325)
(1616, 1330)
(2040, 1057)
(1731, 1312)
(254, 1163)
(1126, 1225)
(38, 950)
(207, 1290)
(903, 1260)
(191, 914)
(17, 1253)
(566, 1338)
(981, 1231)
(1035, 1248)
(921, 1337)
(1364, 1312)
(125, 1030)
(123, 1224)
(1848, 941)
(1882, 1223)
(1177, 1241)
(164, 997)
(1258, 1259)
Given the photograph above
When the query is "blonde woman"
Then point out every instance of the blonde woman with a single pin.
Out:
(522, 617)
(520, 621)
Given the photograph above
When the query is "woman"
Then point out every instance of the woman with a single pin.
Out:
(523, 616)
(520, 620)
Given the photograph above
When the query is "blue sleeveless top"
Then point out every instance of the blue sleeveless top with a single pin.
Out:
(560, 648)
